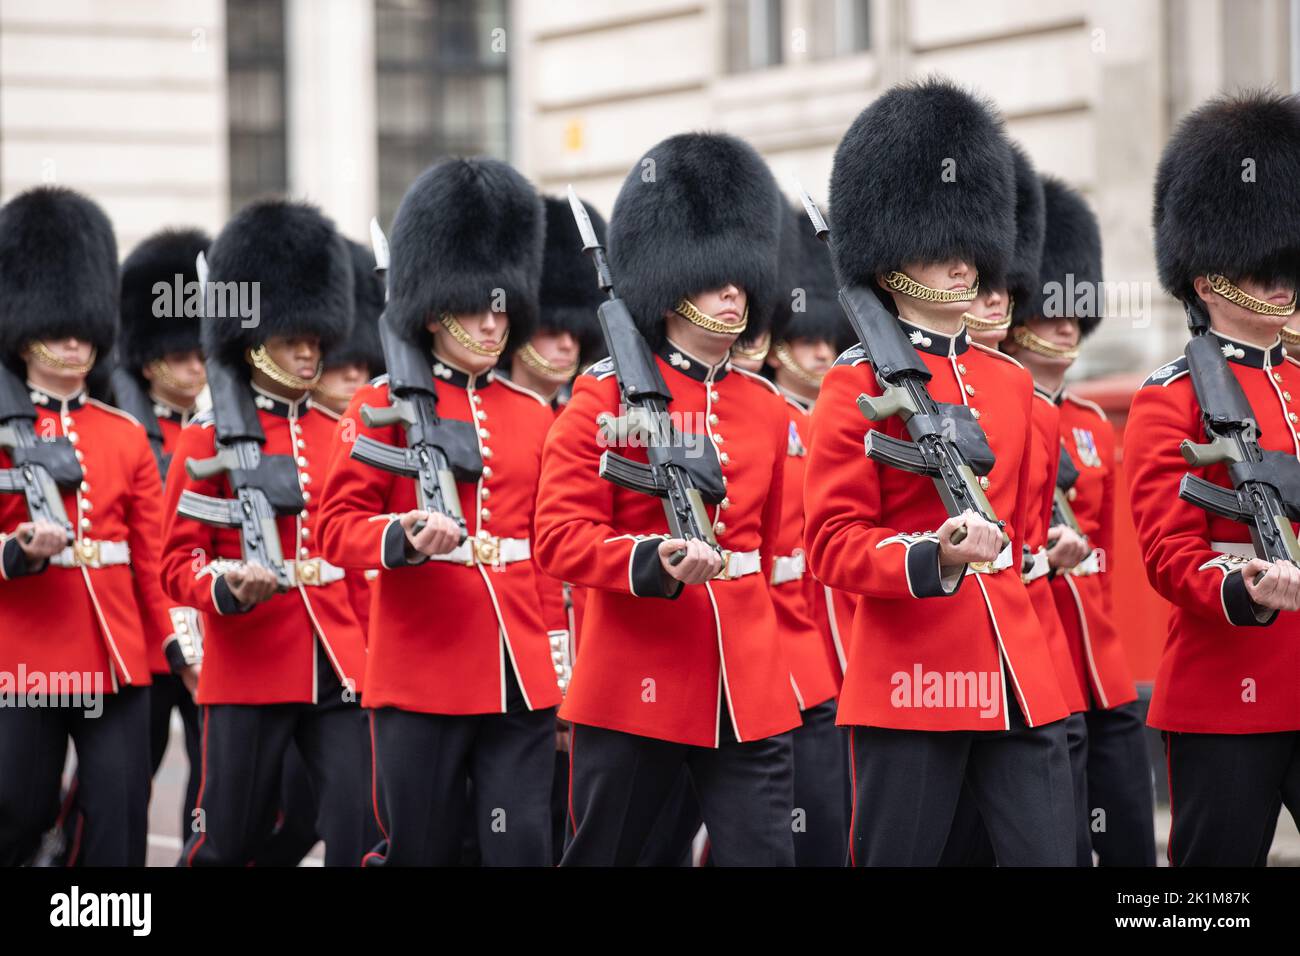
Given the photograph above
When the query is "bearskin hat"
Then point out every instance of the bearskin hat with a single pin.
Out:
(569, 295)
(1071, 260)
(924, 174)
(58, 271)
(1031, 227)
(362, 344)
(698, 211)
(302, 270)
(467, 233)
(1226, 200)
(160, 258)
(810, 308)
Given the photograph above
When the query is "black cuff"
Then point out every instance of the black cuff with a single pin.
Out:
(397, 550)
(924, 579)
(225, 600)
(646, 573)
(175, 655)
(1240, 607)
(15, 561)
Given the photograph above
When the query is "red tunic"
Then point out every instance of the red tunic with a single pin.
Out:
(664, 668)
(1219, 673)
(1083, 600)
(928, 648)
(443, 634)
(267, 654)
(171, 421)
(101, 621)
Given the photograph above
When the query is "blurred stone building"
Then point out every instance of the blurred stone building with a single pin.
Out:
(175, 111)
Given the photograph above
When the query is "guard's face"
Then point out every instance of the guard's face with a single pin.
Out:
(488, 330)
(1274, 292)
(1059, 331)
(990, 304)
(750, 364)
(815, 356)
(727, 304)
(297, 354)
(952, 275)
(344, 380)
(558, 348)
(70, 349)
(185, 374)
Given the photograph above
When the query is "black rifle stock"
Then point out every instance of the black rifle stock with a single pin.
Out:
(41, 466)
(1066, 477)
(1265, 493)
(130, 396)
(686, 476)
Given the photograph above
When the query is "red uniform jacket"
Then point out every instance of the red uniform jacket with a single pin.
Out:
(654, 662)
(266, 654)
(1219, 673)
(360, 584)
(814, 664)
(1044, 461)
(171, 422)
(927, 647)
(443, 634)
(1083, 600)
(89, 620)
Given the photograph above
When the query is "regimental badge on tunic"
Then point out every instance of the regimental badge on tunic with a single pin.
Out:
(1086, 445)
(676, 360)
(794, 446)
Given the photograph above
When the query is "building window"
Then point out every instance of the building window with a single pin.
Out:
(442, 87)
(839, 28)
(753, 34)
(256, 92)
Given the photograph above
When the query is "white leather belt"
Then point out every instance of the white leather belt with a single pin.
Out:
(487, 550)
(92, 554)
(738, 564)
(312, 572)
(1001, 562)
(788, 567)
(1088, 566)
(1040, 567)
(1242, 549)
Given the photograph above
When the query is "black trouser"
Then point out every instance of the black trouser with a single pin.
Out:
(112, 772)
(559, 805)
(1225, 792)
(620, 782)
(968, 840)
(166, 692)
(821, 828)
(243, 758)
(294, 832)
(671, 837)
(425, 763)
(1121, 799)
(908, 782)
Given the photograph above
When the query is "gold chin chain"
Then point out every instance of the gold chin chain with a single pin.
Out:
(538, 363)
(900, 282)
(755, 353)
(1241, 297)
(452, 325)
(38, 351)
(981, 324)
(1036, 343)
(261, 360)
(688, 311)
(782, 353)
(1289, 336)
(164, 372)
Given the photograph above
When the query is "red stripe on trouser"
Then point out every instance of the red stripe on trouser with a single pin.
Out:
(573, 820)
(1169, 779)
(374, 778)
(853, 805)
(203, 780)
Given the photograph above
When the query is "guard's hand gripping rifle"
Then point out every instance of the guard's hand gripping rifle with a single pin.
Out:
(685, 482)
(1265, 493)
(439, 451)
(947, 443)
(1066, 477)
(40, 466)
(129, 396)
(265, 486)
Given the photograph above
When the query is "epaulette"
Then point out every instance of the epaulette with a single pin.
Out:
(204, 419)
(997, 352)
(601, 369)
(1083, 402)
(758, 378)
(523, 391)
(112, 408)
(855, 355)
(1169, 372)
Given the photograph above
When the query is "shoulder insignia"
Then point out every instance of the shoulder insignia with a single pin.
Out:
(1091, 406)
(758, 378)
(600, 369)
(501, 379)
(111, 408)
(997, 353)
(1292, 360)
(852, 356)
(1168, 372)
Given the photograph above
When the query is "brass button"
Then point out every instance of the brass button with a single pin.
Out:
(975, 414)
(83, 504)
(719, 439)
(306, 533)
(85, 486)
(299, 443)
(719, 528)
(487, 471)
(970, 389)
(484, 514)
(484, 433)
(1293, 417)
(305, 478)
(487, 452)
(961, 368)
(1277, 376)
(73, 437)
(713, 419)
(984, 482)
(1287, 396)
(1072, 494)
(67, 421)
(85, 523)
(303, 513)
(303, 552)
(481, 415)
(306, 496)
(302, 462)
(485, 492)
(724, 458)
(724, 481)
(78, 453)
(713, 394)
(724, 504)
(478, 399)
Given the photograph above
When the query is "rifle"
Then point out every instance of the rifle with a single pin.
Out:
(1265, 494)
(265, 486)
(1066, 477)
(947, 443)
(685, 483)
(41, 466)
(129, 396)
(439, 451)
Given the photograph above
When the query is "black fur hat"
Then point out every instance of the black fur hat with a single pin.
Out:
(1226, 197)
(467, 236)
(924, 174)
(699, 210)
(1031, 227)
(159, 258)
(1069, 274)
(569, 295)
(810, 307)
(58, 271)
(302, 270)
(362, 344)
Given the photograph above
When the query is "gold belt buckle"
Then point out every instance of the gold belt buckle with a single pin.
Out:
(308, 571)
(87, 552)
(725, 573)
(982, 567)
(487, 550)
